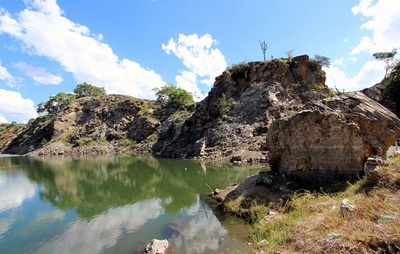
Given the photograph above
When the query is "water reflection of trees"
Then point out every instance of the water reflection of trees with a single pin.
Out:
(93, 185)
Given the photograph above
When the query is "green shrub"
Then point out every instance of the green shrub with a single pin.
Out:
(174, 96)
(223, 105)
(239, 70)
(126, 142)
(85, 141)
(152, 138)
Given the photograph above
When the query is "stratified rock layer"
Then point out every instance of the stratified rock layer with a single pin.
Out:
(331, 138)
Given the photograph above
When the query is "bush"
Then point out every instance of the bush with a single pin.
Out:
(85, 90)
(174, 96)
(239, 70)
(126, 142)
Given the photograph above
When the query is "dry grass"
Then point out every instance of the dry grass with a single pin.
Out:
(305, 222)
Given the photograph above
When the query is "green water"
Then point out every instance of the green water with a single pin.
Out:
(114, 205)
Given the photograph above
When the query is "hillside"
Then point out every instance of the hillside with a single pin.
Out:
(230, 124)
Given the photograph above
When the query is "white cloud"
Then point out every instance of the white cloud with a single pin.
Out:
(188, 80)
(105, 230)
(371, 73)
(199, 56)
(9, 79)
(3, 119)
(39, 75)
(15, 108)
(204, 232)
(343, 61)
(44, 31)
(365, 44)
(383, 19)
(14, 190)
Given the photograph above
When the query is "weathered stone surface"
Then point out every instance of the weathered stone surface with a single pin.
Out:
(240, 107)
(92, 126)
(332, 138)
(156, 247)
(372, 168)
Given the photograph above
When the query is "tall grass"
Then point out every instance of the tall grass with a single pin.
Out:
(304, 223)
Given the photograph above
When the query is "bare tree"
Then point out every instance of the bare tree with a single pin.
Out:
(264, 47)
(289, 53)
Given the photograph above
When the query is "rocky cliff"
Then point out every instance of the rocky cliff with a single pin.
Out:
(278, 111)
(232, 121)
(107, 124)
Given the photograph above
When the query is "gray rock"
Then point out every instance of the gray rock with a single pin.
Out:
(372, 168)
(156, 247)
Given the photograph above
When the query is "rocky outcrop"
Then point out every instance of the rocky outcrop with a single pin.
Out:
(92, 125)
(377, 93)
(243, 102)
(310, 133)
(331, 138)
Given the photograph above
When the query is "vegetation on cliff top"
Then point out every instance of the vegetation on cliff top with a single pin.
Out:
(59, 101)
(174, 96)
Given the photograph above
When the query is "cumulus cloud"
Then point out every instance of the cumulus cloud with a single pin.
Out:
(371, 73)
(204, 232)
(9, 111)
(203, 61)
(9, 79)
(14, 190)
(383, 19)
(43, 30)
(38, 74)
(105, 230)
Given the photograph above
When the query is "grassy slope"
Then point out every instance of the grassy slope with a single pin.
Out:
(302, 224)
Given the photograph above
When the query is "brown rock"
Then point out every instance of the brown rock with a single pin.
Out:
(331, 139)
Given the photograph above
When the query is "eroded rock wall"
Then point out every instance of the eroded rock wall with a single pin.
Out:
(331, 138)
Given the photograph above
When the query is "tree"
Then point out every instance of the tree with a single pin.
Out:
(264, 47)
(174, 96)
(56, 103)
(289, 53)
(388, 58)
(322, 60)
(85, 90)
(392, 88)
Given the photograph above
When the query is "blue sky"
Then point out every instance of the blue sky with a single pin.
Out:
(133, 46)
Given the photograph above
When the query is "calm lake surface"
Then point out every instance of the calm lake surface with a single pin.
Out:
(114, 205)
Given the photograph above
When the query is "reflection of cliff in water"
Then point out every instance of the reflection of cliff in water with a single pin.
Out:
(92, 185)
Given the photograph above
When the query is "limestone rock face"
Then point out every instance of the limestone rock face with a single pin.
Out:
(331, 138)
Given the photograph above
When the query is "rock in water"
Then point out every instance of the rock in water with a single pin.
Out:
(156, 247)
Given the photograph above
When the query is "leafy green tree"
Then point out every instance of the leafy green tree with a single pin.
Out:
(388, 58)
(56, 103)
(322, 60)
(392, 88)
(174, 96)
(85, 90)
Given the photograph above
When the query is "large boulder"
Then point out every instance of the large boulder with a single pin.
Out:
(331, 138)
